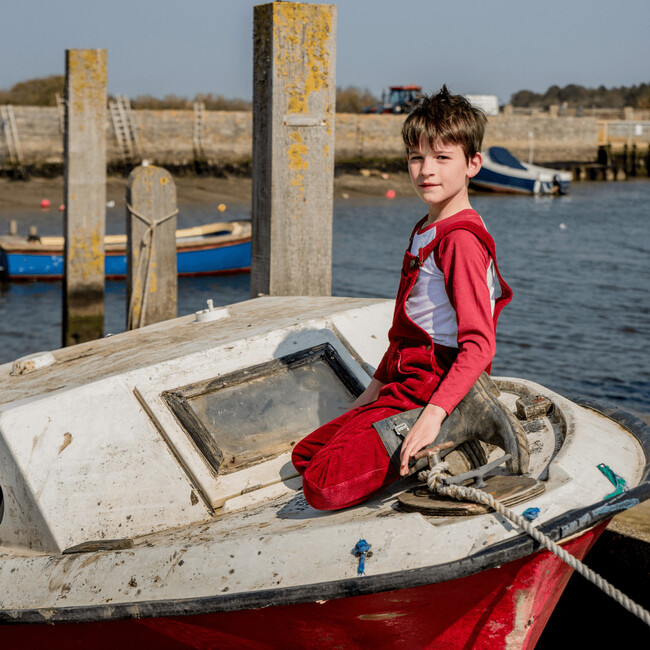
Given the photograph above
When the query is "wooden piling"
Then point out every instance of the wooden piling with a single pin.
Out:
(84, 195)
(293, 148)
(152, 283)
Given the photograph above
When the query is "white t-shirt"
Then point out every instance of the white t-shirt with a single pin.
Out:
(428, 304)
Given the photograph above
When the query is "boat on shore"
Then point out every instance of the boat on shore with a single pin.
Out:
(173, 518)
(502, 172)
(213, 249)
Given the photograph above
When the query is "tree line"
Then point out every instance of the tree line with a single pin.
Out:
(351, 99)
(43, 91)
(575, 96)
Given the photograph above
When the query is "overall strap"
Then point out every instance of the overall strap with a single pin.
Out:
(418, 225)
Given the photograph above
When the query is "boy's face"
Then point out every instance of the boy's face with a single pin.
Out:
(440, 174)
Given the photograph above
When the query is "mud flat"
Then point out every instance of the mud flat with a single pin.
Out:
(198, 189)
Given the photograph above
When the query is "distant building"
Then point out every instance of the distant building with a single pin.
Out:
(489, 104)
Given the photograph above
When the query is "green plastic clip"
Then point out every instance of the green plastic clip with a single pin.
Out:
(617, 481)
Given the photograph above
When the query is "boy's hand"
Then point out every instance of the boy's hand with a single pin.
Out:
(423, 433)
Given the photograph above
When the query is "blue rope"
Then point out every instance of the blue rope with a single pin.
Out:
(362, 551)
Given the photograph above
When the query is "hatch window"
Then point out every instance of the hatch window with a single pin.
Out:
(246, 417)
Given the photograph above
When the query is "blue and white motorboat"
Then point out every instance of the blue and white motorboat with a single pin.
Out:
(502, 172)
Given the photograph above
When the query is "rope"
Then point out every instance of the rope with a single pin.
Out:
(434, 480)
(147, 240)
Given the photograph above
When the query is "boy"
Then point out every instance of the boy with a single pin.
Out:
(443, 332)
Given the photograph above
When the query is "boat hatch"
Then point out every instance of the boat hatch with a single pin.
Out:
(283, 399)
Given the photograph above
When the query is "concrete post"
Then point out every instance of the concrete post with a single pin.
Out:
(152, 284)
(84, 190)
(293, 148)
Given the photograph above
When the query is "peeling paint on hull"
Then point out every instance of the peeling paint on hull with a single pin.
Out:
(504, 607)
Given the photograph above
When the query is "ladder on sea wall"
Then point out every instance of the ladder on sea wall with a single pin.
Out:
(125, 129)
(11, 140)
(198, 134)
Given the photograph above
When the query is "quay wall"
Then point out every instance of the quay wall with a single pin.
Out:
(166, 138)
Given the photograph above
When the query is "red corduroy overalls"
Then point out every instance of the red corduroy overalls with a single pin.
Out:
(344, 461)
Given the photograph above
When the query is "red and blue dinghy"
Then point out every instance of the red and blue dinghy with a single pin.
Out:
(213, 249)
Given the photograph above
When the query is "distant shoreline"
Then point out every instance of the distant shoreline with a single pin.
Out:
(192, 190)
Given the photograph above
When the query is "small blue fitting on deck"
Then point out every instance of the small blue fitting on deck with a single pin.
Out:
(530, 514)
(362, 551)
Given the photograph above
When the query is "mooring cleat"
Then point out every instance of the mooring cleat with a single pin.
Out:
(477, 474)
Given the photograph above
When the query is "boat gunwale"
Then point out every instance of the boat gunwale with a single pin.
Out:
(559, 529)
(55, 243)
(207, 243)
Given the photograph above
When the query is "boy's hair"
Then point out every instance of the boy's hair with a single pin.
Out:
(450, 119)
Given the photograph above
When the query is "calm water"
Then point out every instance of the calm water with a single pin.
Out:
(579, 266)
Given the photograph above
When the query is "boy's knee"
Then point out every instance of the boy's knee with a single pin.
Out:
(327, 498)
(329, 486)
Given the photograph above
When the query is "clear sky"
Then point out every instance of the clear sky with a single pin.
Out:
(186, 47)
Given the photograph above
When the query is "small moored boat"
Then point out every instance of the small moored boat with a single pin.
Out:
(212, 249)
(502, 172)
(148, 499)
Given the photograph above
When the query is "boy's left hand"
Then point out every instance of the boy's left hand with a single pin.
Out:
(422, 433)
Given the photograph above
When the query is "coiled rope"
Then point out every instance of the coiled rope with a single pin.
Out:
(147, 241)
(434, 478)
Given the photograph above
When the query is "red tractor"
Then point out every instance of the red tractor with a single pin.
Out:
(399, 99)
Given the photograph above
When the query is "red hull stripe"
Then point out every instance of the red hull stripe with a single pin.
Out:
(507, 605)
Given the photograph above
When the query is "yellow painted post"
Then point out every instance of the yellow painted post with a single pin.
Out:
(294, 91)
(84, 195)
(151, 279)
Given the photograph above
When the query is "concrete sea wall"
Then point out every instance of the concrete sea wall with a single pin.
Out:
(166, 138)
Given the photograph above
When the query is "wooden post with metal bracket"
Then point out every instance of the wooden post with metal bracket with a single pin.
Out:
(152, 284)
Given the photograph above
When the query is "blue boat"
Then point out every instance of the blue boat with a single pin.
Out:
(214, 249)
(502, 172)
